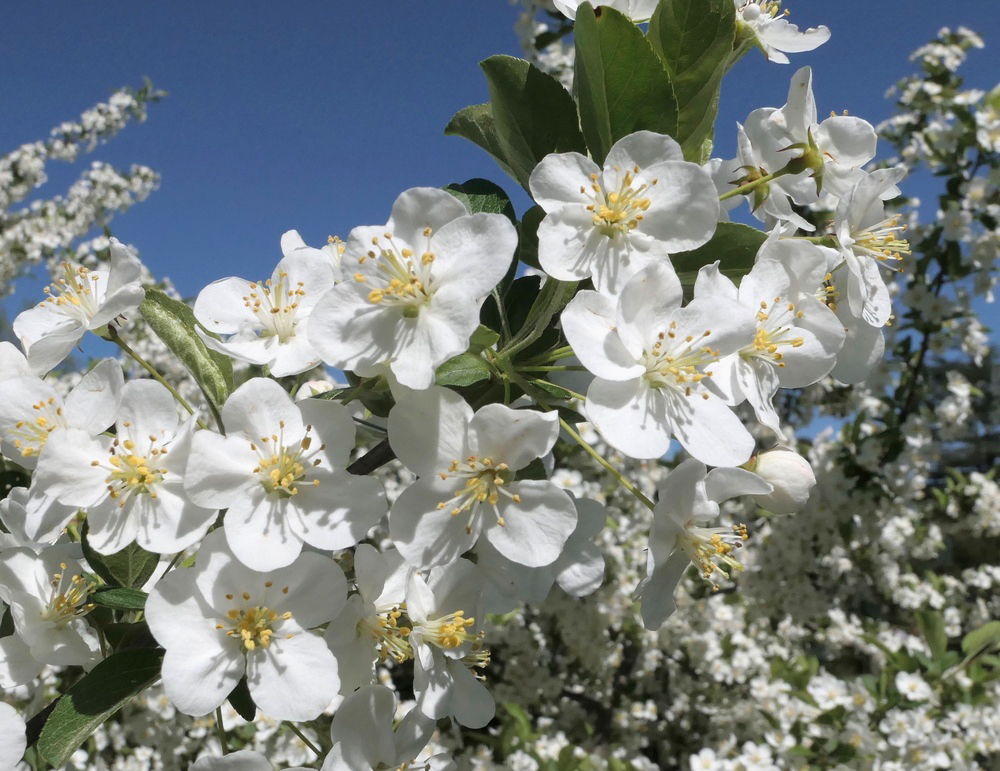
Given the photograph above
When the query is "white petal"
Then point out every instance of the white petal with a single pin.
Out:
(514, 437)
(425, 535)
(293, 679)
(590, 326)
(557, 180)
(536, 529)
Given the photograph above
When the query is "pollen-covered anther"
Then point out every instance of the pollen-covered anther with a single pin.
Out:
(70, 595)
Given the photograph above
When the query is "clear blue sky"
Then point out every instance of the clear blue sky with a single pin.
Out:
(315, 115)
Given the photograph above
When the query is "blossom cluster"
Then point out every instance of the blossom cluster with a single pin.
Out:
(244, 546)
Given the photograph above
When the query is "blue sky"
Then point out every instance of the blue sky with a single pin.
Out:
(315, 115)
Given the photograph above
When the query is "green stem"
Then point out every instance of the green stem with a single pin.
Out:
(220, 729)
(600, 459)
(502, 312)
(156, 376)
(565, 368)
(302, 736)
(749, 187)
(555, 354)
(552, 297)
(574, 394)
(358, 390)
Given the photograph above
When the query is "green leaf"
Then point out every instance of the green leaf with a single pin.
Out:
(174, 323)
(119, 598)
(129, 568)
(694, 40)
(734, 245)
(622, 87)
(242, 701)
(475, 123)
(462, 370)
(931, 623)
(982, 639)
(527, 243)
(482, 338)
(95, 698)
(481, 195)
(552, 390)
(533, 115)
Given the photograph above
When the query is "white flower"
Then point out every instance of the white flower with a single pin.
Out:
(646, 203)
(468, 464)
(365, 736)
(913, 687)
(221, 620)
(688, 498)
(867, 239)
(266, 323)
(636, 10)
(789, 474)
(13, 739)
(280, 472)
(132, 484)
(653, 361)
(241, 760)
(412, 289)
(798, 336)
(774, 33)
(12, 361)
(83, 299)
(48, 595)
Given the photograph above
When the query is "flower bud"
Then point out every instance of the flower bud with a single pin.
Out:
(792, 478)
(812, 159)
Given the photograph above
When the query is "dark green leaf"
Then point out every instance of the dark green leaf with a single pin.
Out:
(527, 247)
(734, 245)
(982, 639)
(174, 323)
(552, 390)
(242, 701)
(119, 598)
(534, 470)
(462, 370)
(622, 87)
(482, 338)
(129, 568)
(475, 123)
(694, 40)
(533, 115)
(931, 624)
(481, 195)
(95, 698)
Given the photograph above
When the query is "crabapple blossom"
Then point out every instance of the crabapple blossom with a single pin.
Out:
(789, 474)
(688, 498)
(636, 10)
(132, 484)
(467, 463)
(48, 594)
(652, 360)
(266, 323)
(412, 289)
(242, 760)
(220, 620)
(774, 34)
(867, 240)
(13, 739)
(608, 224)
(280, 473)
(82, 300)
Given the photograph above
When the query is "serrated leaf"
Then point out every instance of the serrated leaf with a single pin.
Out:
(481, 195)
(95, 698)
(129, 568)
(482, 338)
(120, 598)
(694, 40)
(174, 323)
(621, 85)
(475, 123)
(533, 115)
(734, 245)
(982, 639)
(462, 370)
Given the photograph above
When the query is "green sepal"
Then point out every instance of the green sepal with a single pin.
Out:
(621, 85)
(241, 701)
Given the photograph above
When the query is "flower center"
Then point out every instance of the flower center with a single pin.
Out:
(621, 210)
(676, 363)
(75, 294)
(880, 243)
(753, 11)
(484, 483)
(29, 435)
(275, 306)
(69, 598)
(390, 633)
(401, 280)
(253, 623)
(712, 547)
(282, 468)
(131, 473)
(774, 331)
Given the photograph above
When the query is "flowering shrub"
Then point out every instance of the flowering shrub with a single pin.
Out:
(246, 564)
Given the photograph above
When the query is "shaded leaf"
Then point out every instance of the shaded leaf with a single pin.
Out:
(119, 598)
(129, 568)
(475, 123)
(462, 370)
(734, 245)
(481, 195)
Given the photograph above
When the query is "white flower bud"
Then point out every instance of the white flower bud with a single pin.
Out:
(792, 478)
